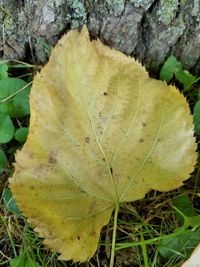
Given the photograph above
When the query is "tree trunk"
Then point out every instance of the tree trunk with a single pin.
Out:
(149, 30)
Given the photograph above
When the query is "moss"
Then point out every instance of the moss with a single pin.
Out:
(10, 27)
(167, 11)
(6, 20)
(106, 7)
(117, 7)
(79, 14)
(196, 9)
(141, 3)
(43, 50)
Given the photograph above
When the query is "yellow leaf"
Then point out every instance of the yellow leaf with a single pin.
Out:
(101, 133)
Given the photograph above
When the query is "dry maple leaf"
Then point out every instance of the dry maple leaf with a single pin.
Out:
(101, 133)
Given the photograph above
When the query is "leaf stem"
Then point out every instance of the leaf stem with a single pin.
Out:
(144, 251)
(114, 235)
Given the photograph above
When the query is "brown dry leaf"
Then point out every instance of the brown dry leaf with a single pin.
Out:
(101, 133)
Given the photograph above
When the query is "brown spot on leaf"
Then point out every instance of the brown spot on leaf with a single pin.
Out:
(105, 93)
(93, 233)
(141, 140)
(144, 124)
(30, 155)
(78, 237)
(150, 160)
(52, 159)
(87, 139)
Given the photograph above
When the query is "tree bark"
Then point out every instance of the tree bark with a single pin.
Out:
(149, 30)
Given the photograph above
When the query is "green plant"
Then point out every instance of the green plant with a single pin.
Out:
(10, 202)
(173, 241)
(14, 112)
(196, 115)
(187, 235)
(3, 161)
(14, 106)
(173, 68)
(23, 260)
